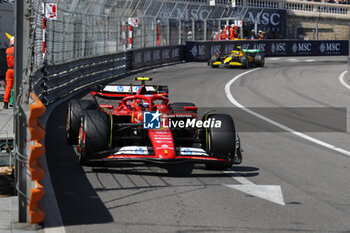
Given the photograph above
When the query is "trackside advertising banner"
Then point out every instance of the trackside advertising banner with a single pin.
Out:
(271, 20)
(156, 56)
(202, 51)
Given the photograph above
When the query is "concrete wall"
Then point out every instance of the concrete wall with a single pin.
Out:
(329, 28)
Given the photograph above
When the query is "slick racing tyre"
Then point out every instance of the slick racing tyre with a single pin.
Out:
(244, 61)
(221, 141)
(75, 109)
(94, 134)
(259, 60)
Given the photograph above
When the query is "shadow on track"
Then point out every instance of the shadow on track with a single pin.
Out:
(77, 200)
(135, 169)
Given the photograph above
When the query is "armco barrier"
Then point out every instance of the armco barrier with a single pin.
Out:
(202, 51)
(56, 81)
(141, 58)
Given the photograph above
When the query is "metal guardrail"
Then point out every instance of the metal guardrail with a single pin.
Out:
(54, 82)
(146, 57)
(57, 81)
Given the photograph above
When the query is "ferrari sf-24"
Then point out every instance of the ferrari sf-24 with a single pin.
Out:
(142, 125)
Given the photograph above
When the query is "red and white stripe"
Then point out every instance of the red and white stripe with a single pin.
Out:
(130, 37)
(123, 35)
(44, 35)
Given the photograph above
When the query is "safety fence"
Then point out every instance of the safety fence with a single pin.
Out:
(202, 51)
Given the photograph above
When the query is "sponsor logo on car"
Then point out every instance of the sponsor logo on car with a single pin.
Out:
(151, 120)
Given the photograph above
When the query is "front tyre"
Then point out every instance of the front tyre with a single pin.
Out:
(244, 61)
(259, 60)
(222, 142)
(94, 134)
(74, 111)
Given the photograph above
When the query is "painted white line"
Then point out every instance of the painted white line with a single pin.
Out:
(55, 230)
(342, 80)
(311, 139)
(236, 176)
(293, 60)
(309, 60)
(273, 58)
(272, 193)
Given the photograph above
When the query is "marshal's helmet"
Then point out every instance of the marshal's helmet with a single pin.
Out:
(11, 38)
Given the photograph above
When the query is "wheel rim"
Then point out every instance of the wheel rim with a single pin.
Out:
(81, 144)
(68, 122)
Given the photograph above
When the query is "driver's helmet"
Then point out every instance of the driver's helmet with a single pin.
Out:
(146, 105)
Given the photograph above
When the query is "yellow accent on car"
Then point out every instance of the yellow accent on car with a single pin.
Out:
(235, 64)
(142, 79)
(228, 59)
(217, 63)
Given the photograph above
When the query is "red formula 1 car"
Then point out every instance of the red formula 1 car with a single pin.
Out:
(142, 125)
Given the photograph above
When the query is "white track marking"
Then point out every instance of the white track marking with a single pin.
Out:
(274, 58)
(311, 139)
(236, 176)
(342, 80)
(55, 230)
(309, 60)
(293, 60)
(271, 193)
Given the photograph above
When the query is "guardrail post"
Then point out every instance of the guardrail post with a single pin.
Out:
(180, 35)
(193, 29)
(168, 32)
(21, 178)
(205, 30)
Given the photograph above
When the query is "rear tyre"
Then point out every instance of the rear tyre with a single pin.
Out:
(244, 61)
(221, 141)
(75, 109)
(259, 60)
(94, 134)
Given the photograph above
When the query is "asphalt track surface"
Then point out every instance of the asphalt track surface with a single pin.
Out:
(315, 181)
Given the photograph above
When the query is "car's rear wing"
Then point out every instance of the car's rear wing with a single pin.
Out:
(123, 90)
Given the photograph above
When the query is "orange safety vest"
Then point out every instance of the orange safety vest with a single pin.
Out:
(10, 56)
(232, 33)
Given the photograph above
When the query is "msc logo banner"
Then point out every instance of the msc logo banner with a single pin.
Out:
(151, 120)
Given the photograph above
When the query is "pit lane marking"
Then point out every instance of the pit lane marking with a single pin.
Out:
(304, 136)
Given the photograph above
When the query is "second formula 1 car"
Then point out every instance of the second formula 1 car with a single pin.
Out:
(143, 125)
(244, 58)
